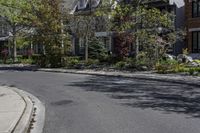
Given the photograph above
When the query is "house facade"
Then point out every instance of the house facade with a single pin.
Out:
(179, 22)
(192, 11)
(84, 7)
(3, 31)
(96, 26)
(4, 35)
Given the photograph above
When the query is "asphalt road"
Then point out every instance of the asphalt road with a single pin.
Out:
(97, 104)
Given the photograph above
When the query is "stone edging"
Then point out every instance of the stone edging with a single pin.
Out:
(173, 78)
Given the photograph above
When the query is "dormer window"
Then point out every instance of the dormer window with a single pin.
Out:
(3, 29)
(195, 8)
(82, 4)
(95, 3)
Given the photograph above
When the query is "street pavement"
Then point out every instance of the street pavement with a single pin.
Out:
(98, 104)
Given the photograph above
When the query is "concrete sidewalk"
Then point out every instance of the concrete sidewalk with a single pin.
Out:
(15, 111)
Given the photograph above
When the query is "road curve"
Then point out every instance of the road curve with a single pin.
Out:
(97, 104)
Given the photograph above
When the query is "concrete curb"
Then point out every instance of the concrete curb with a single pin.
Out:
(33, 117)
(38, 120)
(24, 122)
(23, 119)
(172, 78)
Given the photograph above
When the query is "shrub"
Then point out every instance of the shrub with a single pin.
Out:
(70, 61)
(42, 61)
(19, 57)
(170, 66)
(198, 69)
(97, 50)
(112, 59)
(143, 60)
(191, 71)
(122, 44)
(131, 63)
(92, 62)
(120, 64)
(185, 51)
(194, 71)
(53, 54)
(8, 61)
(26, 61)
(197, 61)
(167, 66)
(181, 68)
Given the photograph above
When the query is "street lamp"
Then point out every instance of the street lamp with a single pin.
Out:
(10, 36)
(159, 40)
(160, 29)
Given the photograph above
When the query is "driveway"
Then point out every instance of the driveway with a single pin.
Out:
(97, 104)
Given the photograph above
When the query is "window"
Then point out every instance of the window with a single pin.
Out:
(82, 4)
(127, 1)
(1, 30)
(196, 42)
(196, 8)
(81, 46)
(5, 30)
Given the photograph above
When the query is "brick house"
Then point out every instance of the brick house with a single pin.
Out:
(192, 11)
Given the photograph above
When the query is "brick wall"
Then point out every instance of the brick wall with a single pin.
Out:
(191, 23)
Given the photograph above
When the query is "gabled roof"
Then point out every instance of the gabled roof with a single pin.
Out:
(68, 5)
(4, 38)
(178, 3)
(73, 5)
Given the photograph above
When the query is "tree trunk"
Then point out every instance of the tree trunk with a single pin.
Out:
(62, 34)
(86, 49)
(9, 50)
(14, 50)
(137, 47)
(137, 39)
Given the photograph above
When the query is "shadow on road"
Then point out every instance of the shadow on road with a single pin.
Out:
(162, 96)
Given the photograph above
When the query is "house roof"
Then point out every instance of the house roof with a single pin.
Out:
(4, 38)
(72, 5)
(178, 3)
(68, 5)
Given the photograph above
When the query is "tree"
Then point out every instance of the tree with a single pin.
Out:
(143, 23)
(45, 17)
(47, 20)
(96, 49)
(11, 10)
